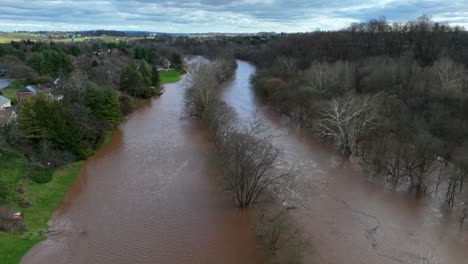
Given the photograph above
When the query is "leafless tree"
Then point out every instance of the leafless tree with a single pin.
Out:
(329, 79)
(285, 64)
(201, 84)
(346, 119)
(221, 120)
(249, 163)
(276, 233)
(76, 84)
(320, 78)
(392, 160)
(223, 69)
(449, 74)
(456, 180)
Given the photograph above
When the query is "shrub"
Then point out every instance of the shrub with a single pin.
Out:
(41, 176)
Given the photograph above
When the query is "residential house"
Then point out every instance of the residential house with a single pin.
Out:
(4, 102)
(6, 116)
(25, 93)
(167, 64)
(4, 83)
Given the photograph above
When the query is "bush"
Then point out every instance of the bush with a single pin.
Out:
(41, 176)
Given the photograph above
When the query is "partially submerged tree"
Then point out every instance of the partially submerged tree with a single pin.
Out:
(346, 119)
(200, 93)
(249, 163)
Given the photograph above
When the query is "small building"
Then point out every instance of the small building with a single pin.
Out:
(29, 91)
(6, 116)
(167, 64)
(4, 102)
(4, 83)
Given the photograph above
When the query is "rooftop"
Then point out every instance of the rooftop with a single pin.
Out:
(6, 115)
(4, 100)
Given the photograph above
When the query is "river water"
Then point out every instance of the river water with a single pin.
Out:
(151, 196)
(344, 217)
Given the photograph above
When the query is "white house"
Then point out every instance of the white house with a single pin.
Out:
(4, 102)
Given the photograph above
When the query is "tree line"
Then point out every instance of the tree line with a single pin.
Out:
(392, 95)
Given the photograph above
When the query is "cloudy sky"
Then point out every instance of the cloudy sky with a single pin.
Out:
(184, 16)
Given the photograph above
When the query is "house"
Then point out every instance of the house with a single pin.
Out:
(167, 64)
(4, 83)
(25, 93)
(4, 102)
(7, 115)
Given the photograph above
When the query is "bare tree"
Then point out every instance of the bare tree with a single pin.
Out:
(449, 73)
(276, 233)
(346, 119)
(330, 79)
(456, 180)
(285, 64)
(221, 120)
(320, 78)
(76, 85)
(249, 164)
(199, 95)
(393, 160)
(223, 69)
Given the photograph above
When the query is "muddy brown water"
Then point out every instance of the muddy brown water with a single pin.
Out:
(151, 196)
(342, 215)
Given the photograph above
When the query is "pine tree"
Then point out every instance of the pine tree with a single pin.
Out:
(155, 80)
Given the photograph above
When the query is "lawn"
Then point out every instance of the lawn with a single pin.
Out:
(14, 36)
(10, 92)
(8, 37)
(13, 166)
(44, 199)
(169, 76)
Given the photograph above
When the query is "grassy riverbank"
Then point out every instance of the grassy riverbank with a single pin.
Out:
(168, 77)
(44, 199)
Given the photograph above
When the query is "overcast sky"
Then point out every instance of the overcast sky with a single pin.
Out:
(184, 16)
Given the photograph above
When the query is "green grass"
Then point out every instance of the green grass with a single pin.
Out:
(13, 166)
(8, 37)
(13, 36)
(44, 199)
(169, 76)
(10, 92)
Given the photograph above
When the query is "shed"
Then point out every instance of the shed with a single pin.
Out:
(4, 102)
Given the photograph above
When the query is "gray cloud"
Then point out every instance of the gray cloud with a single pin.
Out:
(217, 15)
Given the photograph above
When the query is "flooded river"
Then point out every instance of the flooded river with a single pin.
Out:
(345, 218)
(151, 196)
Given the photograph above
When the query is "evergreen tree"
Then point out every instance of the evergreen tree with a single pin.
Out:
(104, 104)
(29, 123)
(132, 82)
(155, 80)
(145, 71)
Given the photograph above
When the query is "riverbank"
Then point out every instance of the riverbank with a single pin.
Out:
(44, 198)
(168, 77)
(157, 171)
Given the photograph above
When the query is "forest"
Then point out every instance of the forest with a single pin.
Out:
(393, 96)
